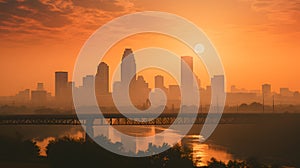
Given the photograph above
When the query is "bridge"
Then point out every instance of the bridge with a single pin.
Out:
(119, 119)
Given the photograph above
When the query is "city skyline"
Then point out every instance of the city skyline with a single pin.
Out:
(104, 68)
(139, 88)
(232, 88)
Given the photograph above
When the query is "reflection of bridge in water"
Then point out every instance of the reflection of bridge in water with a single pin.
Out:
(119, 119)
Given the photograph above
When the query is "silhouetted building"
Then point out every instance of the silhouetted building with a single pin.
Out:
(141, 91)
(242, 91)
(128, 66)
(117, 86)
(285, 92)
(40, 86)
(138, 88)
(234, 89)
(187, 80)
(198, 81)
(23, 97)
(187, 72)
(7, 100)
(174, 96)
(86, 92)
(205, 94)
(61, 84)
(189, 61)
(217, 89)
(63, 90)
(39, 96)
(88, 81)
(236, 98)
(159, 81)
(266, 90)
(88, 85)
(174, 92)
(70, 87)
(102, 79)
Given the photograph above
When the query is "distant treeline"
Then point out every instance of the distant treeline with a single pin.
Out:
(254, 107)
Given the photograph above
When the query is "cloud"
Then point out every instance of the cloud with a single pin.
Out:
(52, 19)
(105, 5)
(286, 12)
(31, 9)
(277, 17)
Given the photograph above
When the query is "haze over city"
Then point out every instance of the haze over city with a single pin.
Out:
(140, 90)
(257, 41)
(222, 90)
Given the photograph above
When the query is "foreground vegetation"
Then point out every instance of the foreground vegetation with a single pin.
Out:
(67, 152)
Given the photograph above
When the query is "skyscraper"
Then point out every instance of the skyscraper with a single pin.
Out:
(39, 96)
(218, 89)
(285, 92)
(187, 80)
(266, 89)
(174, 92)
(128, 66)
(189, 61)
(102, 79)
(23, 96)
(186, 68)
(61, 84)
(141, 91)
(128, 76)
(88, 82)
(159, 81)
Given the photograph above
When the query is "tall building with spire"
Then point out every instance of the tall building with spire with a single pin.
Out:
(138, 88)
(128, 66)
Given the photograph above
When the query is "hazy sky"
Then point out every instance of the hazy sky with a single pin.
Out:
(258, 40)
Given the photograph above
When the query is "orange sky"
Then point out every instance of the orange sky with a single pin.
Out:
(258, 40)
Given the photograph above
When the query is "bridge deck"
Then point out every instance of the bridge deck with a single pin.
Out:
(119, 119)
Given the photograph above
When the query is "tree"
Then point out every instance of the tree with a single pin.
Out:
(213, 163)
(18, 150)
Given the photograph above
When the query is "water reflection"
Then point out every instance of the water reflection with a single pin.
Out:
(42, 144)
(201, 152)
